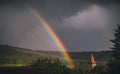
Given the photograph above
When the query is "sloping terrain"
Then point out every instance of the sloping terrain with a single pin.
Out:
(21, 56)
(14, 55)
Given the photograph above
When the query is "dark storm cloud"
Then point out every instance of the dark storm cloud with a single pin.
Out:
(98, 22)
(49, 8)
(16, 26)
(57, 8)
(19, 28)
(79, 40)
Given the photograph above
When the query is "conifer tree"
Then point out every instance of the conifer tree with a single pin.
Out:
(116, 44)
(114, 64)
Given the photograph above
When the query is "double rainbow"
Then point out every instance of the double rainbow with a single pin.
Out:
(54, 37)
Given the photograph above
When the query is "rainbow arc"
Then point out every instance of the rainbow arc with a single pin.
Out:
(54, 37)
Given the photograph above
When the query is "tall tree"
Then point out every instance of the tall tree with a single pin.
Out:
(114, 64)
(116, 44)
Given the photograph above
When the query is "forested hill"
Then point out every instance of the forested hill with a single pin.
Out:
(15, 55)
(10, 55)
(10, 50)
(100, 56)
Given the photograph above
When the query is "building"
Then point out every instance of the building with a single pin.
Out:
(92, 62)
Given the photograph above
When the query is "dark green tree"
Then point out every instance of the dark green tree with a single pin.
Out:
(116, 44)
(114, 63)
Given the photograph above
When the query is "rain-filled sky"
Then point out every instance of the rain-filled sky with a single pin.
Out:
(82, 25)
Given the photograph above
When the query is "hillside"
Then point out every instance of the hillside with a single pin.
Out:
(82, 58)
(15, 55)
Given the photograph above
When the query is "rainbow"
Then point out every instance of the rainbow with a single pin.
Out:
(54, 37)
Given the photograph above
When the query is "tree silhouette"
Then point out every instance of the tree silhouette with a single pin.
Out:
(116, 44)
(114, 63)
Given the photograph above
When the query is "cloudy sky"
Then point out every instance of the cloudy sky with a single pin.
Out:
(82, 25)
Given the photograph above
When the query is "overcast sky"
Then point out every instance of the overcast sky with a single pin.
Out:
(82, 25)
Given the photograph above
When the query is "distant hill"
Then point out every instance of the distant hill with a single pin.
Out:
(82, 58)
(101, 57)
(15, 55)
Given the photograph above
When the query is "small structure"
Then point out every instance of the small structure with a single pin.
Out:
(92, 62)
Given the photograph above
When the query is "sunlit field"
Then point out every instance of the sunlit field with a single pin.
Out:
(19, 60)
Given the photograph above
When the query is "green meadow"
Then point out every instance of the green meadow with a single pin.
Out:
(14, 56)
(20, 59)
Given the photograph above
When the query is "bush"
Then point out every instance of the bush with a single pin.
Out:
(56, 66)
(114, 66)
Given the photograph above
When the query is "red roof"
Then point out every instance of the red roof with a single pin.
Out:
(92, 59)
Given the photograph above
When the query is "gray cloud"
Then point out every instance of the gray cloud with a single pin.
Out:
(90, 18)
(19, 28)
(81, 24)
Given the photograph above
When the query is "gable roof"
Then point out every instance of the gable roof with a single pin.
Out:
(92, 60)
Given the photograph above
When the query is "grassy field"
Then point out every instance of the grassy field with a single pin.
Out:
(19, 56)
(15, 60)
(13, 56)
(11, 65)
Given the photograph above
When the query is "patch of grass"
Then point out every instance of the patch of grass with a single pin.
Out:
(11, 65)
(13, 56)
